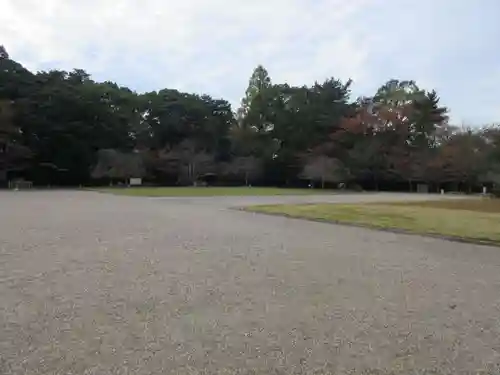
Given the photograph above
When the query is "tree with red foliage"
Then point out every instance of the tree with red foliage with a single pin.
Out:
(462, 158)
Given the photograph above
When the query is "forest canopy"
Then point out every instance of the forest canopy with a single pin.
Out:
(64, 128)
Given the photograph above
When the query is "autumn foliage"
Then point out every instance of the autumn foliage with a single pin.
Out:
(64, 128)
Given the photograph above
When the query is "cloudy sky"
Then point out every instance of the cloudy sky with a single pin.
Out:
(211, 46)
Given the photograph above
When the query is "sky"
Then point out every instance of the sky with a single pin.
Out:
(212, 46)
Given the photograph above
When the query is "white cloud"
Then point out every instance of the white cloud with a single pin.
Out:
(173, 33)
(212, 46)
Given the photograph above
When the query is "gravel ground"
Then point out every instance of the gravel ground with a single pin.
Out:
(99, 284)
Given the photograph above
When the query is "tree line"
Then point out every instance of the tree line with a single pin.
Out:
(64, 128)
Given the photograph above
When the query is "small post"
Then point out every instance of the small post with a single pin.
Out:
(442, 191)
(485, 190)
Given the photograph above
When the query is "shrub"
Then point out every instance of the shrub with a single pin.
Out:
(496, 192)
(355, 187)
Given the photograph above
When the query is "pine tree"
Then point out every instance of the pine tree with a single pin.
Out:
(259, 81)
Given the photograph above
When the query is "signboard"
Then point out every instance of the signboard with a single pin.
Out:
(135, 182)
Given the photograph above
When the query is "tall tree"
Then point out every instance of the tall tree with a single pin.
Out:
(13, 154)
(397, 93)
(54, 126)
(116, 165)
(258, 83)
(427, 119)
(323, 169)
(188, 162)
(464, 159)
(246, 168)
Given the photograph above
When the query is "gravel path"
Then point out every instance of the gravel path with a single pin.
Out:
(99, 284)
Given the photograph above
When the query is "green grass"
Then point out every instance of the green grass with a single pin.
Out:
(473, 220)
(478, 205)
(207, 191)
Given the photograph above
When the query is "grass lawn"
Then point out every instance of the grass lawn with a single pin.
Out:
(207, 191)
(476, 220)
